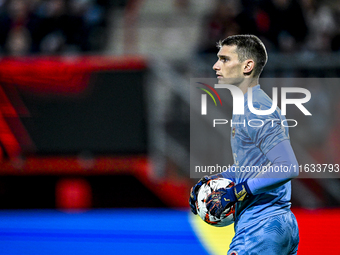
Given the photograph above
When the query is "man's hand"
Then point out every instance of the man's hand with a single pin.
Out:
(194, 190)
(224, 198)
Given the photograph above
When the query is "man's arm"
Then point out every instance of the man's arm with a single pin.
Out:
(230, 173)
(282, 157)
(284, 161)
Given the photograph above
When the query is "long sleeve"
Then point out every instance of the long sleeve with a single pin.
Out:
(284, 168)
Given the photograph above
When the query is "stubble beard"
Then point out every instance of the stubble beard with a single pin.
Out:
(229, 81)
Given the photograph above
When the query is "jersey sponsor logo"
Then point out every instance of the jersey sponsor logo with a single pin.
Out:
(233, 132)
(234, 253)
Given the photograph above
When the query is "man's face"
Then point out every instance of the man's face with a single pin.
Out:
(229, 69)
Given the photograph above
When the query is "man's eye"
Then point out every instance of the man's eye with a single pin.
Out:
(223, 59)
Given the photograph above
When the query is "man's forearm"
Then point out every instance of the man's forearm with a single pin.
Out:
(284, 168)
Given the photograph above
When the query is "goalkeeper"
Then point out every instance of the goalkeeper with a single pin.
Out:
(264, 223)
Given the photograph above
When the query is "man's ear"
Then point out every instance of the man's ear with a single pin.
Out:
(248, 66)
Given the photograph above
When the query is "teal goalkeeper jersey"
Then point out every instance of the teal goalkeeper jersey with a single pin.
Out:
(252, 136)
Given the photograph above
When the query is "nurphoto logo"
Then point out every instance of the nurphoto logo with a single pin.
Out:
(238, 99)
(238, 104)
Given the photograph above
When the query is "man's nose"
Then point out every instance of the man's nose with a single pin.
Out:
(216, 66)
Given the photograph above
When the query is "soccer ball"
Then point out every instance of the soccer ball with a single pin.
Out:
(227, 216)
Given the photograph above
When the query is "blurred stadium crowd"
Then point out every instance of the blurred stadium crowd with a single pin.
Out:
(61, 26)
(52, 26)
(284, 25)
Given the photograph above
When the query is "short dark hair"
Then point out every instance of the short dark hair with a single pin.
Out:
(248, 47)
